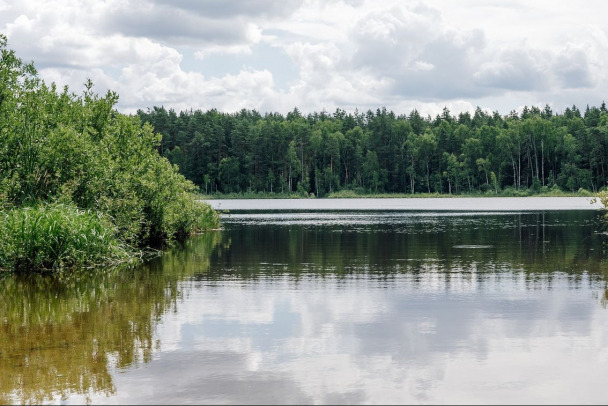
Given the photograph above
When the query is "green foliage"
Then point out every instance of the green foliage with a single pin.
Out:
(381, 152)
(55, 236)
(344, 194)
(57, 147)
(603, 199)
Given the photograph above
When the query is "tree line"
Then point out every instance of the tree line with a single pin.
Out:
(382, 152)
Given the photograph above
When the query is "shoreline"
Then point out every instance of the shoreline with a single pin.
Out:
(340, 195)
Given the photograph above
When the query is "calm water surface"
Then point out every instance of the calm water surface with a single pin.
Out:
(322, 307)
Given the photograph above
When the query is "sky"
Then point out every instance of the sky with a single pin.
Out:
(276, 55)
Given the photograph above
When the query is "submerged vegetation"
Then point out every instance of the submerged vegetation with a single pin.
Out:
(80, 183)
(535, 152)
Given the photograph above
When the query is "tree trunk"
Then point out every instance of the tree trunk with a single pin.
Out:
(542, 154)
(428, 180)
(519, 168)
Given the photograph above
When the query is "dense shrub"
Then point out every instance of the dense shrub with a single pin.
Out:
(77, 154)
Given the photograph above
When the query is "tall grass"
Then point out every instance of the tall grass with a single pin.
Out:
(56, 236)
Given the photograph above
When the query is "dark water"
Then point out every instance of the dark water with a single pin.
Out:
(326, 307)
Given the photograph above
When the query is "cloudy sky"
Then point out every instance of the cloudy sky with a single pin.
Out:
(274, 55)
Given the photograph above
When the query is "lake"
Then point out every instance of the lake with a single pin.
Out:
(316, 305)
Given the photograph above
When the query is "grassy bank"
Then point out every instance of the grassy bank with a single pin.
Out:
(58, 236)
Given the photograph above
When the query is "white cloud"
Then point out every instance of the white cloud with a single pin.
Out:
(422, 66)
(233, 8)
(229, 50)
(514, 70)
(572, 68)
(348, 54)
(164, 83)
(424, 59)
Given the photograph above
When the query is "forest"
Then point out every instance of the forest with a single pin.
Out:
(534, 151)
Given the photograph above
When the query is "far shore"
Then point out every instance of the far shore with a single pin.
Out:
(348, 194)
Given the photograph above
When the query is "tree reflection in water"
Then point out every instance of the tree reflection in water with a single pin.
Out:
(66, 335)
(62, 334)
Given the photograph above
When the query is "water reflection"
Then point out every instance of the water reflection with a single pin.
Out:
(394, 242)
(326, 308)
(62, 335)
(361, 344)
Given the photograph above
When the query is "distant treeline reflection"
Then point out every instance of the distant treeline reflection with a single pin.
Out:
(535, 243)
(63, 334)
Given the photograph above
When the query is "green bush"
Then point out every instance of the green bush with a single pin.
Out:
(55, 236)
(76, 160)
(344, 194)
(584, 192)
